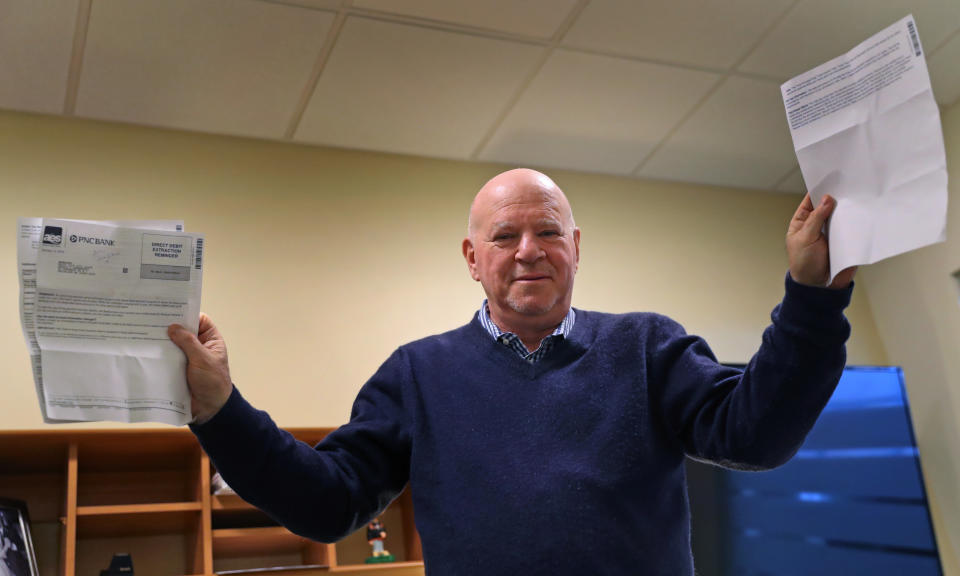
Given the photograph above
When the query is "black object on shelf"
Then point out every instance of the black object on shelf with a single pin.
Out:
(121, 565)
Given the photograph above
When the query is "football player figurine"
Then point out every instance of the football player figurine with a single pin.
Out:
(375, 536)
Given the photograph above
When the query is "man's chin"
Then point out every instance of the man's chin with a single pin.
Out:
(531, 306)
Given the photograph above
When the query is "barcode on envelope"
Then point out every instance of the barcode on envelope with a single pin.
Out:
(913, 37)
(198, 254)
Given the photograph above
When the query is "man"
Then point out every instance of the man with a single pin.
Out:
(539, 438)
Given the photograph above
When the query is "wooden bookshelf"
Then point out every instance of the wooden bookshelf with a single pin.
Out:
(93, 493)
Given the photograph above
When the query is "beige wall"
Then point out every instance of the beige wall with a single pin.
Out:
(320, 262)
(915, 304)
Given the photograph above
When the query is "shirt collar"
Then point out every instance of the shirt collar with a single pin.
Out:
(563, 329)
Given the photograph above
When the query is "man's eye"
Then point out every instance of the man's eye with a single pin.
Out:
(550, 233)
(502, 237)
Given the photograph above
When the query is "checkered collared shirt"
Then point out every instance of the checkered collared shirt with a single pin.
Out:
(513, 342)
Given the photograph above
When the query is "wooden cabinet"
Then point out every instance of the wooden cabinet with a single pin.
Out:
(93, 493)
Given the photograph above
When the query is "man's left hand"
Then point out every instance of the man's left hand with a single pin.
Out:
(807, 249)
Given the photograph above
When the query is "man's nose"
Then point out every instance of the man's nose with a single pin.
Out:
(529, 249)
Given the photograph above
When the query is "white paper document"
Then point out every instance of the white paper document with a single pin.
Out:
(867, 131)
(96, 299)
(29, 237)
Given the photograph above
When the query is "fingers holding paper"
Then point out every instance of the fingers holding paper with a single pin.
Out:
(208, 372)
(808, 251)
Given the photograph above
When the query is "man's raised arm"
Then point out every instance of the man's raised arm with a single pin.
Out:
(323, 492)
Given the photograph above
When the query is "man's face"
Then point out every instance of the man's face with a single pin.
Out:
(524, 250)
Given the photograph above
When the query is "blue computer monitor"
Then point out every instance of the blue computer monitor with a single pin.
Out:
(852, 500)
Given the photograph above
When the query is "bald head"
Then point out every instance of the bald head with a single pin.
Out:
(513, 185)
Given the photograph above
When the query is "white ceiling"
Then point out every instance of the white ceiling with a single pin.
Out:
(684, 90)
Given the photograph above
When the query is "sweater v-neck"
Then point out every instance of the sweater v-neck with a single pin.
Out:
(565, 350)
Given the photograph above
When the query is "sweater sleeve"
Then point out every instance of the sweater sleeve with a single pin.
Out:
(323, 492)
(759, 417)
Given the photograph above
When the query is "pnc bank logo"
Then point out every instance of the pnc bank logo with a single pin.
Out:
(75, 239)
(53, 235)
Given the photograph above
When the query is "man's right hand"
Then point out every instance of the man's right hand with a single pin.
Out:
(208, 373)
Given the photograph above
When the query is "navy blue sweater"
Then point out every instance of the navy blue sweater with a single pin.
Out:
(573, 465)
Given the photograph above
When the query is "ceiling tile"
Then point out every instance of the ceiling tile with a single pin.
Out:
(595, 113)
(538, 18)
(413, 90)
(793, 183)
(820, 30)
(944, 68)
(226, 66)
(33, 72)
(698, 32)
(739, 137)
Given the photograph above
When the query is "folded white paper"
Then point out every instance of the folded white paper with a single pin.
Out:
(867, 131)
(95, 314)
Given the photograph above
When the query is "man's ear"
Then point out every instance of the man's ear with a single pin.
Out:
(470, 255)
(576, 243)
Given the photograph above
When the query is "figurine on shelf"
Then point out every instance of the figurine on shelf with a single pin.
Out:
(375, 537)
(120, 565)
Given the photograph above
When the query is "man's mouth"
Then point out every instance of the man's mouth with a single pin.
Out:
(531, 278)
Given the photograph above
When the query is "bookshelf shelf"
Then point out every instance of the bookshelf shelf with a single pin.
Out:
(231, 542)
(147, 492)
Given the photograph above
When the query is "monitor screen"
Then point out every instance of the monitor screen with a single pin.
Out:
(851, 501)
